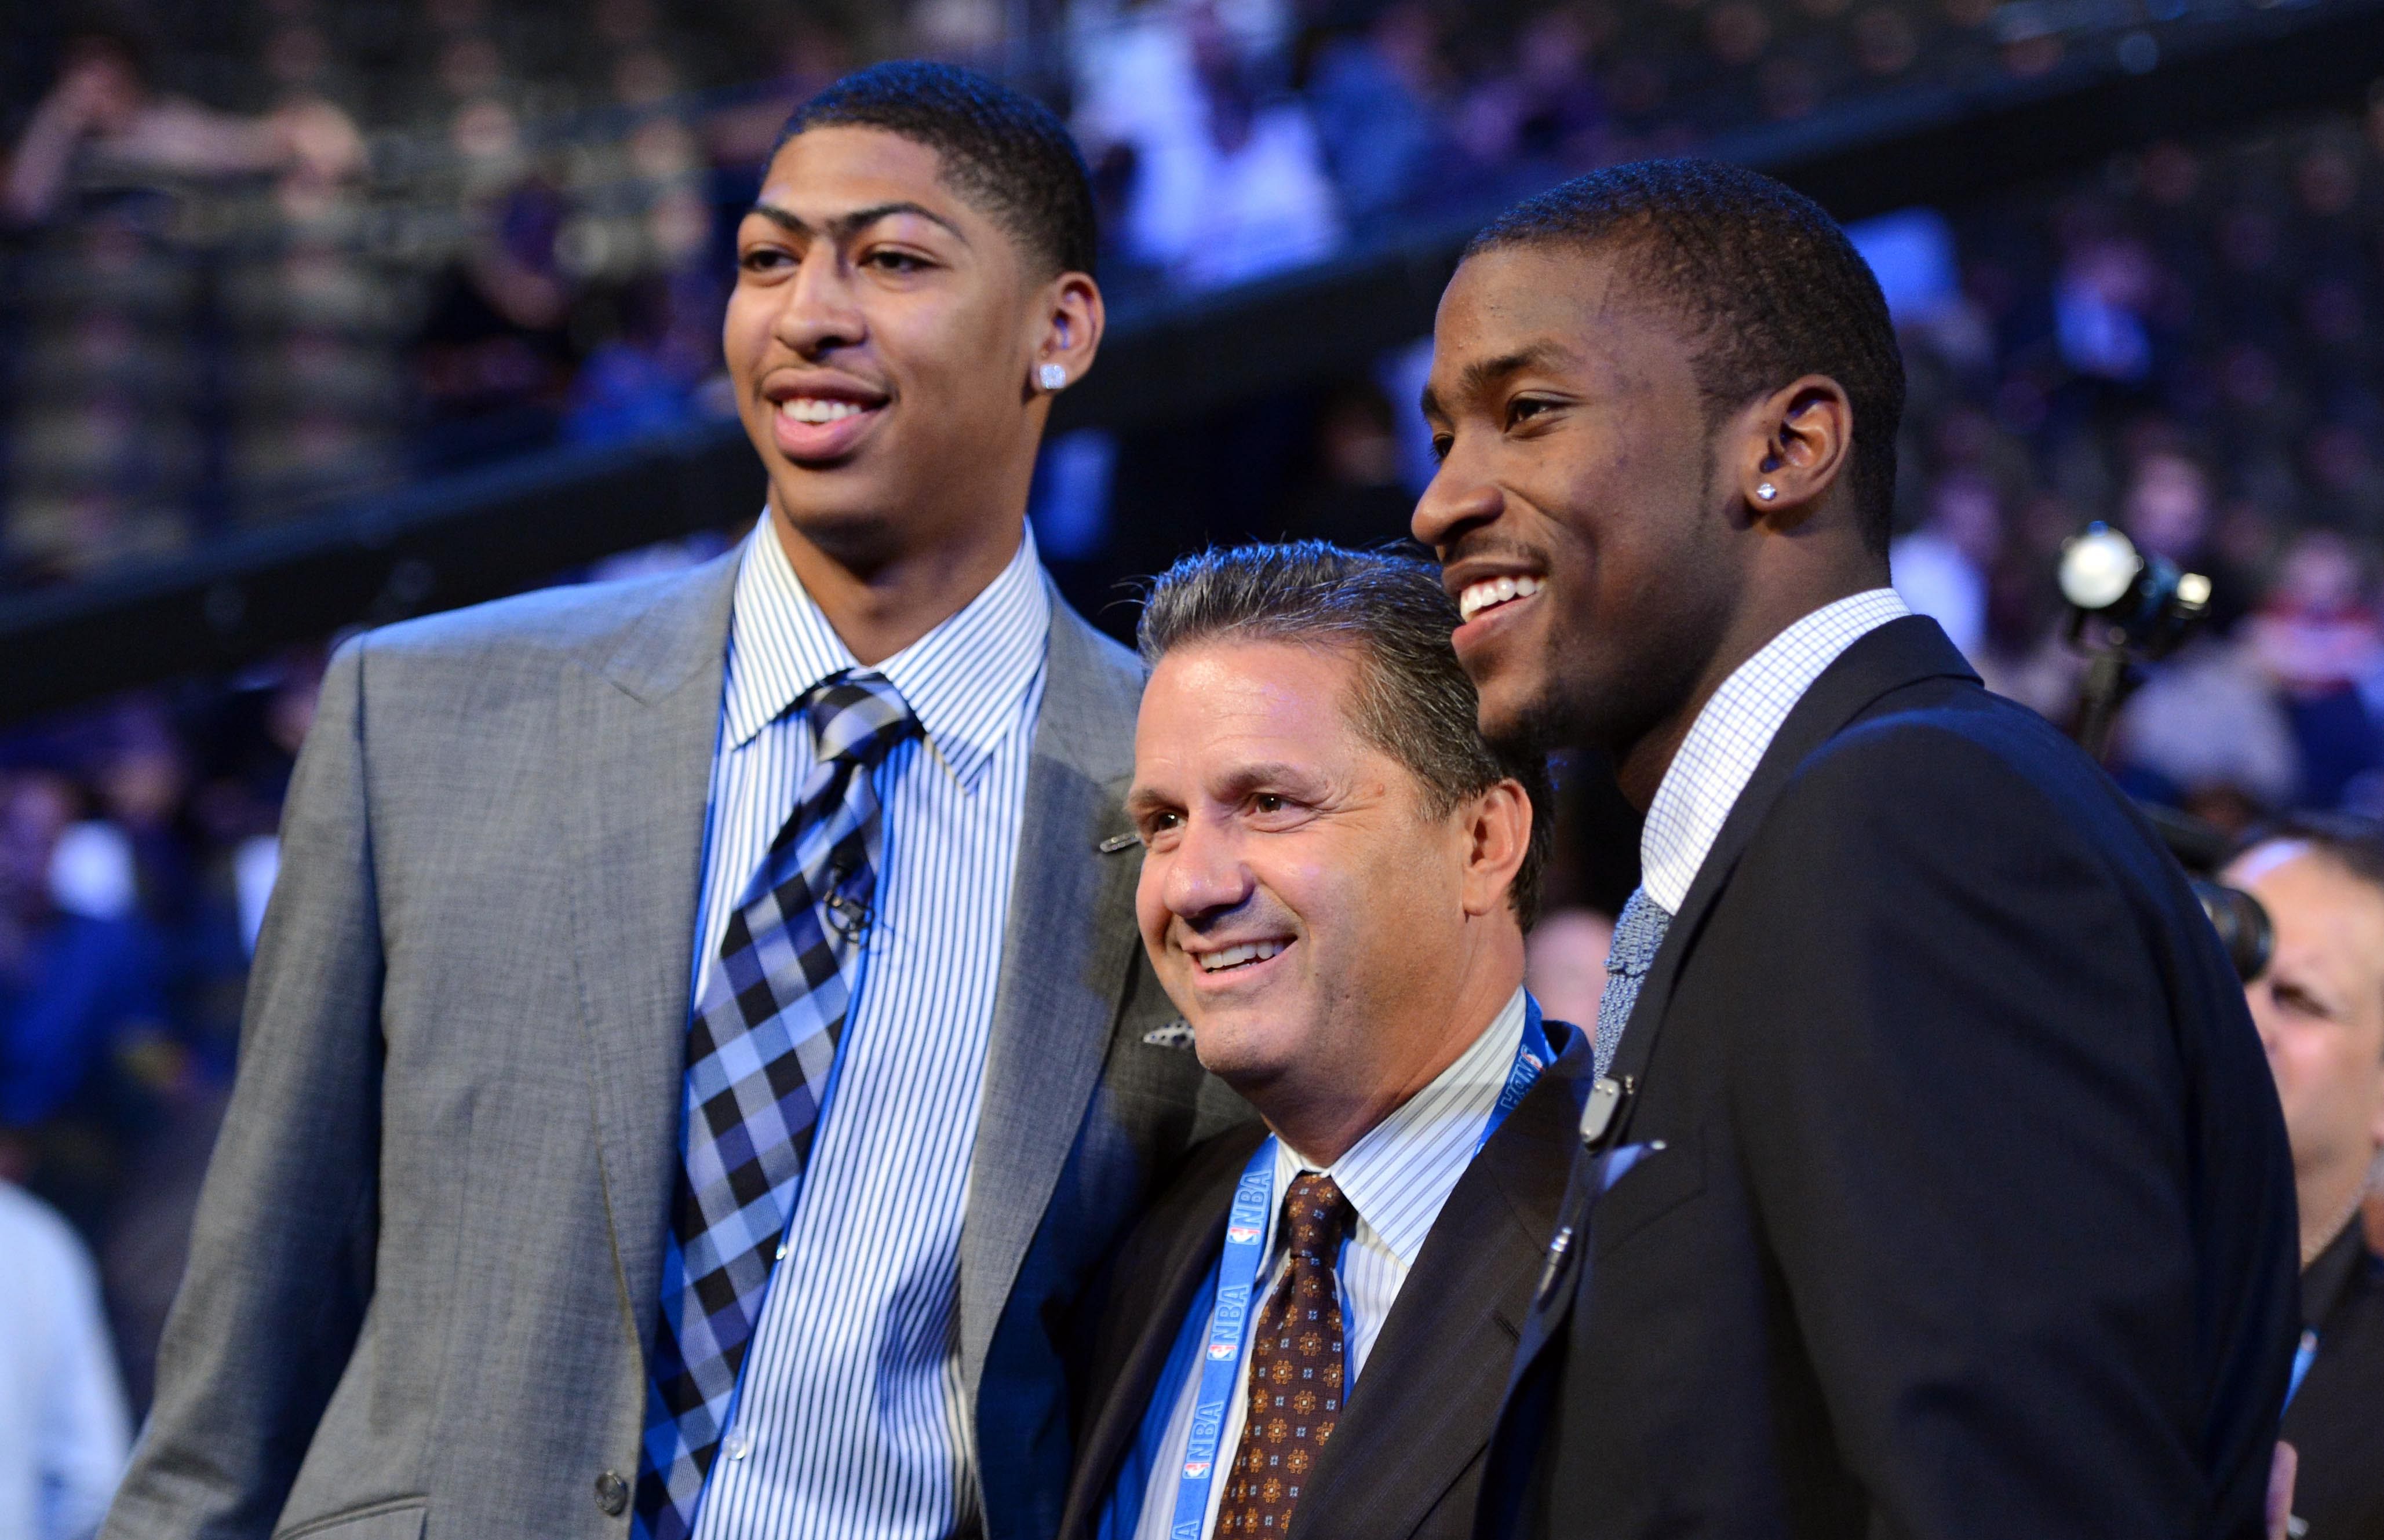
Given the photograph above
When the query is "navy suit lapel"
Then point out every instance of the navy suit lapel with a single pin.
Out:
(1422, 1410)
(1154, 1293)
(1068, 948)
(634, 746)
(1898, 654)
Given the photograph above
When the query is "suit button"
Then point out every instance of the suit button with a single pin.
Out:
(612, 1492)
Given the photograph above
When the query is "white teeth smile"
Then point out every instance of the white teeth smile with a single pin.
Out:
(815, 409)
(1490, 591)
(1234, 957)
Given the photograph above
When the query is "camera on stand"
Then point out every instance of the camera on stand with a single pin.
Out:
(2130, 607)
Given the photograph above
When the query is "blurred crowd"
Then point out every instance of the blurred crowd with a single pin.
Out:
(136, 851)
(261, 255)
(2191, 346)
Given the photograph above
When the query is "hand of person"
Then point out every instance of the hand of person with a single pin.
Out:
(2281, 1490)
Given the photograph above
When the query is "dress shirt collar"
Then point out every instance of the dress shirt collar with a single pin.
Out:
(965, 678)
(1400, 1171)
(1728, 740)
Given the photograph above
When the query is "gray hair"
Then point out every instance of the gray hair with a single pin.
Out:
(1411, 700)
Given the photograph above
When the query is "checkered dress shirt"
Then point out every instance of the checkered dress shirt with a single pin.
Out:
(1730, 736)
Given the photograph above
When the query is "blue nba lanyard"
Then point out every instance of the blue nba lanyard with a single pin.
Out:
(2305, 1354)
(1238, 1284)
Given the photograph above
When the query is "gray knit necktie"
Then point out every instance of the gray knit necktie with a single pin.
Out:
(1637, 935)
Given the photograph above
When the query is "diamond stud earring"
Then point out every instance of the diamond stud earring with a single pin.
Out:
(1052, 377)
(1767, 491)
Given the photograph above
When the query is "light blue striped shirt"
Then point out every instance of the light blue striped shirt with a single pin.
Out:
(1396, 1177)
(851, 1420)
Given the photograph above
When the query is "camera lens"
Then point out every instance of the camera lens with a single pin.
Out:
(2242, 927)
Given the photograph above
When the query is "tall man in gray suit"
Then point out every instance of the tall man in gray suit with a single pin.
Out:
(697, 1050)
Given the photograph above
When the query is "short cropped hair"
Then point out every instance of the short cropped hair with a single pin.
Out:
(999, 147)
(2350, 841)
(1768, 286)
(1412, 699)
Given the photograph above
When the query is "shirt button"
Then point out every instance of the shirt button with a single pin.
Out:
(782, 1250)
(737, 1446)
(612, 1494)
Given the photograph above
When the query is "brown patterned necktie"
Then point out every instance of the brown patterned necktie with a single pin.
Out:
(1296, 1368)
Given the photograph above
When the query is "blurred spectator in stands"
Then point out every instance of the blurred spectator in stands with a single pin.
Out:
(1373, 91)
(75, 982)
(2100, 301)
(494, 356)
(2167, 508)
(2208, 734)
(1544, 107)
(63, 1428)
(76, 990)
(2317, 636)
(137, 197)
(105, 109)
(140, 777)
(1564, 963)
(316, 321)
(1941, 568)
(642, 378)
(1355, 496)
(970, 33)
(2320, 1011)
(811, 58)
(1228, 182)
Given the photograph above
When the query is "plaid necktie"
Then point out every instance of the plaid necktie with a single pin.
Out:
(758, 1055)
(1638, 932)
(1295, 1368)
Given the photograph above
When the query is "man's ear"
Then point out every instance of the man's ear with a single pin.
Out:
(1793, 447)
(1498, 835)
(1069, 319)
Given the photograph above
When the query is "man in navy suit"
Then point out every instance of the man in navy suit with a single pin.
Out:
(1306, 1329)
(1933, 1186)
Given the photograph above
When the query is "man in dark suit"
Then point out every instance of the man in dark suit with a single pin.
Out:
(1337, 876)
(2319, 1006)
(1933, 1186)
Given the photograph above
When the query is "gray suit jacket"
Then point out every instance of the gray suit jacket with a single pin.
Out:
(428, 1257)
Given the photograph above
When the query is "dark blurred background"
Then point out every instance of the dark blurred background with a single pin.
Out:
(316, 314)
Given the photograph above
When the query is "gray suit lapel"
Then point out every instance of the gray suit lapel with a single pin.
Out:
(640, 713)
(1066, 951)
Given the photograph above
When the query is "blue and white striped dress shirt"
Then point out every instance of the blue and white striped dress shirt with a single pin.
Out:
(1398, 1177)
(851, 1420)
(1728, 740)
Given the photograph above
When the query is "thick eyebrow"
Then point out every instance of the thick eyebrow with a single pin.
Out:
(844, 227)
(1483, 374)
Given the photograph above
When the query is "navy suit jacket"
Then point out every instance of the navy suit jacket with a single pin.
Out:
(1962, 1204)
(1406, 1459)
